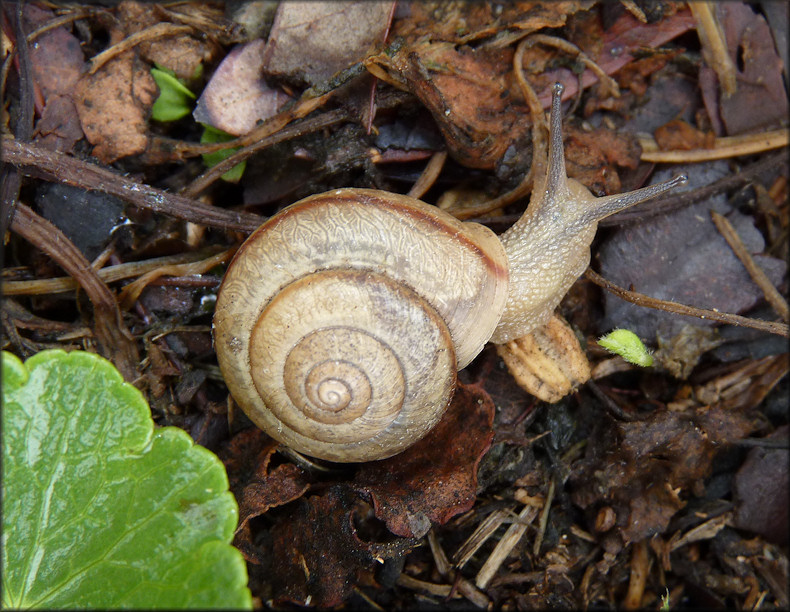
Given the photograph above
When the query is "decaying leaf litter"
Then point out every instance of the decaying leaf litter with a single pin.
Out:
(642, 485)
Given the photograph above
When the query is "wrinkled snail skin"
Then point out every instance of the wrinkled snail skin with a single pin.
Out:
(342, 321)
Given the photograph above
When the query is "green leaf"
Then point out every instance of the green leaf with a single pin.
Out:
(627, 344)
(174, 101)
(211, 135)
(100, 510)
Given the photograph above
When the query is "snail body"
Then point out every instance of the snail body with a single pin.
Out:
(342, 321)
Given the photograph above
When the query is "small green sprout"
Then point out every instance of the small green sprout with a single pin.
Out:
(175, 99)
(627, 344)
(211, 135)
(665, 601)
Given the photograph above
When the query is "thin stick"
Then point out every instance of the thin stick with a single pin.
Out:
(271, 137)
(115, 341)
(723, 148)
(772, 295)
(714, 45)
(668, 203)
(508, 542)
(129, 294)
(429, 175)
(632, 8)
(640, 299)
(568, 47)
(544, 519)
(484, 530)
(639, 569)
(464, 586)
(78, 173)
(160, 30)
(62, 284)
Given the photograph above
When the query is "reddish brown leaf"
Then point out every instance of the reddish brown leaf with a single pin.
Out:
(183, 54)
(59, 127)
(256, 487)
(436, 478)
(468, 94)
(57, 62)
(677, 134)
(760, 100)
(56, 56)
(617, 48)
(591, 157)
(318, 557)
(113, 106)
(463, 22)
(635, 76)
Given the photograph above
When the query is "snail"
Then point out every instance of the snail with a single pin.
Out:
(342, 321)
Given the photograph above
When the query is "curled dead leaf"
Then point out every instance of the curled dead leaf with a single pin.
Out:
(549, 363)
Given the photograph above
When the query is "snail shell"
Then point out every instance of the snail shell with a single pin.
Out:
(342, 321)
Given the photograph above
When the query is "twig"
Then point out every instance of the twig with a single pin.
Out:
(614, 409)
(723, 148)
(714, 45)
(632, 8)
(463, 586)
(773, 296)
(639, 569)
(78, 173)
(129, 294)
(640, 299)
(167, 149)
(438, 590)
(23, 125)
(160, 30)
(429, 175)
(115, 341)
(308, 126)
(512, 536)
(609, 84)
(484, 530)
(544, 518)
(61, 284)
(705, 531)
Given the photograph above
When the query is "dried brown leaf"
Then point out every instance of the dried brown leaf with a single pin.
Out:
(760, 99)
(182, 54)
(318, 556)
(463, 21)
(467, 92)
(436, 478)
(311, 41)
(677, 134)
(56, 57)
(237, 97)
(640, 469)
(256, 486)
(113, 106)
